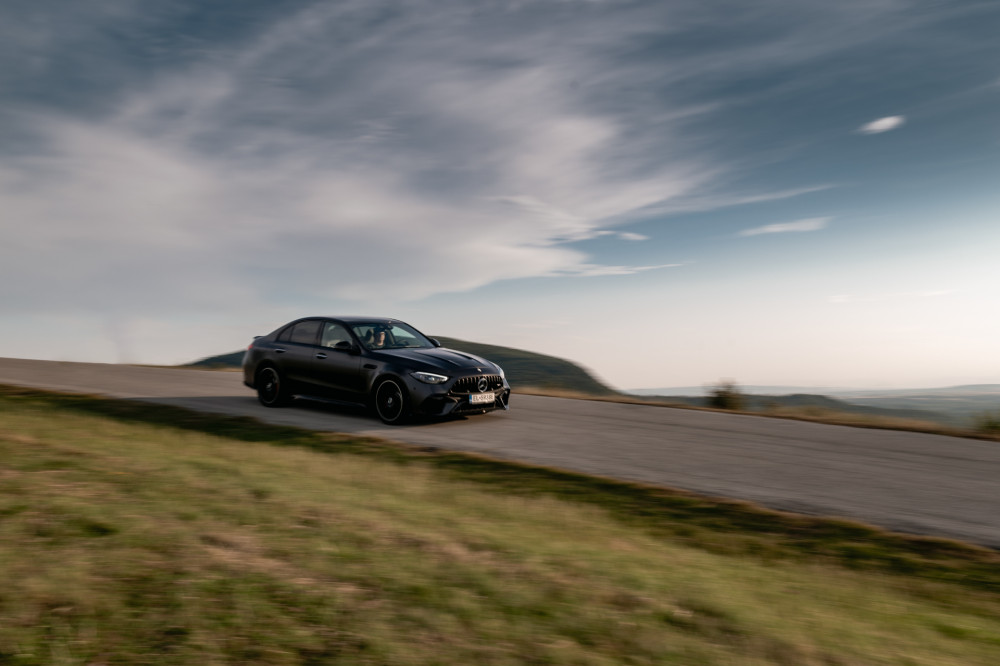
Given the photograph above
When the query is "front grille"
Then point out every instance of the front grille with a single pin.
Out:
(465, 385)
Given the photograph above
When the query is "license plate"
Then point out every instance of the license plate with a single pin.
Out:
(481, 398)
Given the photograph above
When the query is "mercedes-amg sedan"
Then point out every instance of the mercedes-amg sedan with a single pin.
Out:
(382, 363)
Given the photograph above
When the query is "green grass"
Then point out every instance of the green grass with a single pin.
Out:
(142, 534)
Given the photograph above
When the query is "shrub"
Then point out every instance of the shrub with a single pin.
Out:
(727, 395)
(989, 422)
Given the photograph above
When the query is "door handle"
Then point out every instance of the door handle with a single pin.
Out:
(320, 355)
(279, 350)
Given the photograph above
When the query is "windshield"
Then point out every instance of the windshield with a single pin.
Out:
(394, 335)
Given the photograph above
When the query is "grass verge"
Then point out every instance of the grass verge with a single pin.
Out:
(145, 534)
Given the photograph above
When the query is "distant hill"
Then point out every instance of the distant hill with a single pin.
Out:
(960, 404)
(746, 389)
(952, 406)
(847, 393)
(220, 362)
(523, 368)
(764, 403)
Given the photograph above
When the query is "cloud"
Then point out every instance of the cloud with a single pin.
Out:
(699, 200)
(595, 270)
(630, 236)
(882, 125)
(417, 157)
(352, 152)
(809, 224)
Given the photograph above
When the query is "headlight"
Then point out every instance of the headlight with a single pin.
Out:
(430, 377)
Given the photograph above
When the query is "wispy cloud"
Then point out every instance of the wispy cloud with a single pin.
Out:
(595, 270)
(809, 224)
(702, 200)
(423, 143)
(359, 149)
(882, 125)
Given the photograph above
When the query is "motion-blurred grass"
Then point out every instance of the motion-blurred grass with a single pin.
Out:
(138, 534)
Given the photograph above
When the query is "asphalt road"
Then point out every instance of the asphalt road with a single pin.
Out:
(909, 482)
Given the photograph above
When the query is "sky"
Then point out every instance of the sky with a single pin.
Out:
(668, 192)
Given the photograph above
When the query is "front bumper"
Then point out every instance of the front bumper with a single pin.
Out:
(454, 396)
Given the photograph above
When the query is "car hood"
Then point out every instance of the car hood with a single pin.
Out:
(440, 358)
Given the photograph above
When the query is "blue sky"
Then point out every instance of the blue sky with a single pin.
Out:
(673, 192)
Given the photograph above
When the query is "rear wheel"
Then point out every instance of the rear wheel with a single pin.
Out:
(271, 389)
(390, 401)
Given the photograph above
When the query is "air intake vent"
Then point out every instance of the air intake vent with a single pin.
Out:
(471, 384)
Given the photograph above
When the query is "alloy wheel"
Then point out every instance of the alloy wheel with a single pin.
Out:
(390, 403)
(269, 388)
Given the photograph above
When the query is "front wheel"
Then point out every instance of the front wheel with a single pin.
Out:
(390, 402)
(271, 389)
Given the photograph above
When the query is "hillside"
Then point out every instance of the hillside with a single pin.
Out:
(960, 404)
(222, 361)
(263, 544)
(953, 406)
(523, 368)
(764, 403)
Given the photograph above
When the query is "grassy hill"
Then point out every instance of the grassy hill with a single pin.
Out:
(523, 368)
(222, 361)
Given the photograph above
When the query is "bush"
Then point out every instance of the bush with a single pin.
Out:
(727, 395)
(989, 422)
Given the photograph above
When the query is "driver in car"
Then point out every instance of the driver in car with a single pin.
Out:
(377, 340)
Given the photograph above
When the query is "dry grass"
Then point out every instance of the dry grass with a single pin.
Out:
(132, 536)
(836, 417)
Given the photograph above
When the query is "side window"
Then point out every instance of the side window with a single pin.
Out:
(286, 334)
(403, 338)
(334, 333)
(305, 332)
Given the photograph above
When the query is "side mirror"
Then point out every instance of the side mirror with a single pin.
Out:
(434, 342)
(344, 345)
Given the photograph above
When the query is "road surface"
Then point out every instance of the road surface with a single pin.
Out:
(903, 481)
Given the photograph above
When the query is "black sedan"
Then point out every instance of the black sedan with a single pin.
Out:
(381, 363)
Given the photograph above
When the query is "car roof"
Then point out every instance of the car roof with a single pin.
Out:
(355, 319)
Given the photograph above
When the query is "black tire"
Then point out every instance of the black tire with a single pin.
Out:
(271, 389)
(390, 402)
